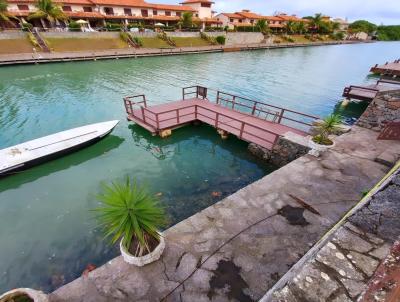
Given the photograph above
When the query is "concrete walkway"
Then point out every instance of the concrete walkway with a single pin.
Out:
(34, 58)
(238, 248)
(345, 267)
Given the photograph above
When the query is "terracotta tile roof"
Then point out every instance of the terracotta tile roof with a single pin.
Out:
(249, 15)
(242, 24)
(196, 1)
(272, 18)
(290, 18)
(172, 7)
(207, 20)
(232, 15)
(83, 2)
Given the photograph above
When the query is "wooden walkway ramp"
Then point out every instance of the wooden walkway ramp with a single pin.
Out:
(368, 92)
(249, 120)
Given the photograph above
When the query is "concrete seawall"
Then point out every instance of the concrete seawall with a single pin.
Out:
(36, 58)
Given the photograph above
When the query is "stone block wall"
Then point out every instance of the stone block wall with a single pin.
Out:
(12, 35)
(286, 150)
(243, 38)
(384, 108)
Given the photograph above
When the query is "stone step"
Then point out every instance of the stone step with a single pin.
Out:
(388, 158)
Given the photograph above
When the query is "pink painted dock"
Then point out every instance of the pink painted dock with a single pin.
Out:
(368, 92)
(249, 120)
(389, 69)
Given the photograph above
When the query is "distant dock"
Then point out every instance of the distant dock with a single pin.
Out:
(368, 92)
(387, 69)
(251, 121)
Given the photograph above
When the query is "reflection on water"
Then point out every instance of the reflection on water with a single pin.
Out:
(47, 232)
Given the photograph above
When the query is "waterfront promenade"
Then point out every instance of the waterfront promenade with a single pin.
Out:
(241, 246)
(36, 58)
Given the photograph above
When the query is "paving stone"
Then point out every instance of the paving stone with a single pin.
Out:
(186, 266)
(349, 241)
(284, 295)
(367, 264)
(339, 263)
(381, 252)
(342, 298)
(311, 285)
(353, 287)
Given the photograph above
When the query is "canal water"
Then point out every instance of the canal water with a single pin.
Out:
(47, 232)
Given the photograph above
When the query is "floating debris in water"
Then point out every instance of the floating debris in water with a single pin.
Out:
(159, 194)
(216, 194)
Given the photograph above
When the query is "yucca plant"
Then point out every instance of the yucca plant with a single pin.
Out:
(130, 212)
(324, 128)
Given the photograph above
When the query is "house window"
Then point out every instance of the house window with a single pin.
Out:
(127, 12)
(87, 9)
(168, 13)
(67, 8)
(240, 20)
(205, 4)
(178, 14)
(108, 11)
(23, 7)
(251, 21)
(145, 13)
(155, 13)
(231, 20)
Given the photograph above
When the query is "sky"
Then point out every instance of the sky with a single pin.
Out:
(377, 11)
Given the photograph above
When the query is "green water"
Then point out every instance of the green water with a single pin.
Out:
(46, 230)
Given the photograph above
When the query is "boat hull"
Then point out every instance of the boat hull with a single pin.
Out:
(54, 155)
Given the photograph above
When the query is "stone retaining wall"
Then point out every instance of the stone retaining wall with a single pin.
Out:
(244, 38)
(12, 35)
(385, 107)
(287, 149)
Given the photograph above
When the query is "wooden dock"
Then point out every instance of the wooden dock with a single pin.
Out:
(387, 69)
(368, 92)
(251, 121)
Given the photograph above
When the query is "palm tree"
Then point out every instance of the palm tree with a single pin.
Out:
(290, 27)
(4, 16)
(186, 20)
(300, 27)
(315, 22)
(47, 10)
(262, 26)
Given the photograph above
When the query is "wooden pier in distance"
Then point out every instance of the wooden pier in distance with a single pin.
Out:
(368, 92)
(251, 121)
(387, 69)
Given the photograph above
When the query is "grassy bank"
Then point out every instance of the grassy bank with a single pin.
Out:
(11, 46)
(79, 44)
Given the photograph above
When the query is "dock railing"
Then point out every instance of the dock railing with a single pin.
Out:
(136, 106)
(258, 109)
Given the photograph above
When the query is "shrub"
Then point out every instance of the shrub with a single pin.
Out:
(124, 36)
(324, 128)
(208, 38)
(73, 26)
(137, 41)
(288, 39)
(113, 26)
(214, 28)
(163, 36)
(220, 40)
(27, 26)
(277, 41)
(33, 40)
(307, 36)
(247, 28)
